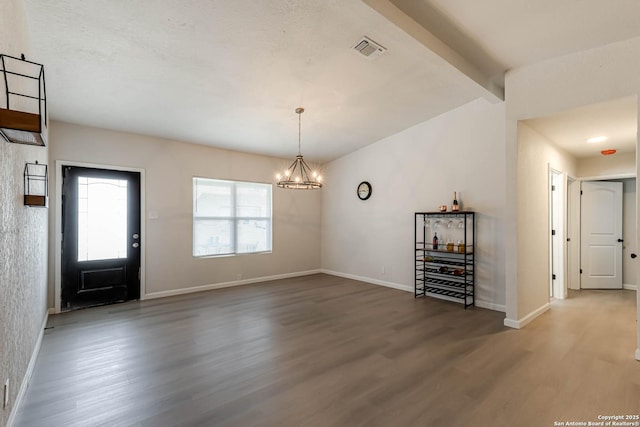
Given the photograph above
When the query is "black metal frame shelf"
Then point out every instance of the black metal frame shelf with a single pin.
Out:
(444, 251)
(23, 117)
(447, 271)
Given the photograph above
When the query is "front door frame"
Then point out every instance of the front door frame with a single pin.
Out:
(58, 225)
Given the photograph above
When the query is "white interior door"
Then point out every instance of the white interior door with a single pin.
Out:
(601, 230)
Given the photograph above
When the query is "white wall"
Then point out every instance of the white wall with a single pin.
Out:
(535, 155)
(23, 238)
(418, 170)
(548, 87)
(169, 168)
(617, 164)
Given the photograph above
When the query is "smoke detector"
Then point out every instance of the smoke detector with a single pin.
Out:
(369, 48)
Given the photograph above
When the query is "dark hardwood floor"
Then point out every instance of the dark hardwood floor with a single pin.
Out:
(326, 351)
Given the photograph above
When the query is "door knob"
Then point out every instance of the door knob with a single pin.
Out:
(620, 240)
(634, 256)
(136, 244)
(136, 236)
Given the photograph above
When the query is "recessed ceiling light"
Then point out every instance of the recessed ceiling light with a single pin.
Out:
(597, 139)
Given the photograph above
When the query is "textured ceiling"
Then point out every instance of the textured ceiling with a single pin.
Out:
(514, 33)
(231, 73)
(617, 120)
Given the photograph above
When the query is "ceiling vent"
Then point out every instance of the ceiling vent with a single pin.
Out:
(369, 48)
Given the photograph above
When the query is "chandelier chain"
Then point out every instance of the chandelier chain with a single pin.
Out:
(299, 130)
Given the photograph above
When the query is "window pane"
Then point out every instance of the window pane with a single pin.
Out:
(212, 198)
(102, 219)
(212, 237)
(252, 200)
(254, 235)
(231, 217)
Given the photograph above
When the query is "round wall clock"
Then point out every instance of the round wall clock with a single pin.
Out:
(364, 190)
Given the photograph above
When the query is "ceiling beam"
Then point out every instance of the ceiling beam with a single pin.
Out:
(493, 85)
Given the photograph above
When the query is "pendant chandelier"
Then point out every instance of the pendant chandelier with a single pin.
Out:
(299, 176)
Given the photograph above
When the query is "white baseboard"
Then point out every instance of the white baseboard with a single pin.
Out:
(481, 304)
(27, 375)
(519, 324)
(510, 323)
(630, 287)
(162, 294)
(638, 354)
(369, 280)
(491, 306)
(174, 292)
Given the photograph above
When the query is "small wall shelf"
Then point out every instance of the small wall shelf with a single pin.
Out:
(23, 96)
(36, 184)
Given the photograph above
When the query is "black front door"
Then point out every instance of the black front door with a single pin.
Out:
(100, 236)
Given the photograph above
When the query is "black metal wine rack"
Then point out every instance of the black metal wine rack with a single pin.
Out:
(444, 270)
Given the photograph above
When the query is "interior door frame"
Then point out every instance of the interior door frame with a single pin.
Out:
(58, 225)
(559, 287)
(573, 233)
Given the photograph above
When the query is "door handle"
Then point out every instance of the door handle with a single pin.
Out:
(620, 240)
(136, 236)
(634, 256)
(136, 244)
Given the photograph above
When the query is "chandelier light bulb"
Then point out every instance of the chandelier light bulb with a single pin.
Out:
(278, 177)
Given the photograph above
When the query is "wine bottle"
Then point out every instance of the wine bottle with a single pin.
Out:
(435, 241)
(455, 206)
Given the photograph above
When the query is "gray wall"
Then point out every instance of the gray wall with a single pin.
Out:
(418, 169)
(169, 167)
(23, 237)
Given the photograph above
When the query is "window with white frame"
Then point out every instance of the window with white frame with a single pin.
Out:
(230, 217)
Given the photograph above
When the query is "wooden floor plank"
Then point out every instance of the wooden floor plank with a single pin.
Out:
(327, 351)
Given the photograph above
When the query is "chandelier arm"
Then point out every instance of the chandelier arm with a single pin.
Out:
(292, 165)
(306, 170)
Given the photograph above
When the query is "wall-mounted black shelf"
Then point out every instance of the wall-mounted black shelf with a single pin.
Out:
(23, 103)
(445, 270)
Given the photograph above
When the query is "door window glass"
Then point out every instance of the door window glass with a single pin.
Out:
(102, 218)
